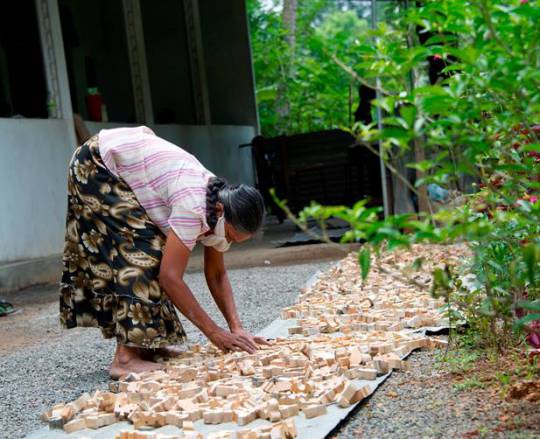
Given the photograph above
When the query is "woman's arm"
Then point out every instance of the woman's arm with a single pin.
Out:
(173, 265)
(220, 287)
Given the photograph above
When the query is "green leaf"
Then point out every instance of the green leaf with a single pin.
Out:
(418, 124)
(437, 104)
(408, 113)
(440, 39)
(395, 133)
(440, 279)
(417, 264)
(530, 256)
(529, 318)
(453, 67)
(530, 147)
(511, 167)
(532, 184)
(528, 10)
(364, 259)
(422, 166)
(266, 94)
(530, 305)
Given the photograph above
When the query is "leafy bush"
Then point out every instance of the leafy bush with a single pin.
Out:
(476, 120)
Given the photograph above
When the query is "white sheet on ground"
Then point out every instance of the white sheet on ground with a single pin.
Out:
(316, 428)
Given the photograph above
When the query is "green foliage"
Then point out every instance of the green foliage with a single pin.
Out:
(470, 383)
(476, 121)
(504, 378)
(318, 93)
(460, 360)
(364, 259)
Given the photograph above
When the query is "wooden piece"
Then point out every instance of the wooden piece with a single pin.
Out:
(313, 411)
(81, 402)
(175, 418)
(75, 425)
(245, 417)
(365, 373)
(92, 422)
(106, 419)
(223, 390)
(288, 411)
(67, 412)
(360, 394)
(349, 390)
(189, 392)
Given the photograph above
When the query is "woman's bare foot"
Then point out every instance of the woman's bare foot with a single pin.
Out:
(128, 359)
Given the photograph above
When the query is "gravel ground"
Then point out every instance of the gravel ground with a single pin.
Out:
(41, 365)
(424, 402)
(55, 365)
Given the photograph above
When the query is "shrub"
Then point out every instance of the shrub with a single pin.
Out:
(476, 120)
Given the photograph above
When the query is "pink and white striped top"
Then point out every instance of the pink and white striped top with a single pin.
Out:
(169, 182)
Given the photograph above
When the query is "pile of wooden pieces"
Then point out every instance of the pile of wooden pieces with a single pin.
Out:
(388, 301)
(345, 331)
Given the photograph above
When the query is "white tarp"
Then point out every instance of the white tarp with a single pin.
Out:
(316, 428)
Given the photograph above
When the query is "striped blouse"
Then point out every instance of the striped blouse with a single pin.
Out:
(168, 182)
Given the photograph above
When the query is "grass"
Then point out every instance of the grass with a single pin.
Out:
(475, 368)
(494, 374)
(460, 361)
(462, 357)
(518, 435)
(471, 383)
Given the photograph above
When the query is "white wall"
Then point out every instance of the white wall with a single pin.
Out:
(34, 155)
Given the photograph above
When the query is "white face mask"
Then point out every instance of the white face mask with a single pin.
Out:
(217, 239)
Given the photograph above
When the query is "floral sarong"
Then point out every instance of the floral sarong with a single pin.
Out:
(111, 260)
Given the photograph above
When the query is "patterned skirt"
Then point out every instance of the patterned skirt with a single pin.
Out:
(112, 256)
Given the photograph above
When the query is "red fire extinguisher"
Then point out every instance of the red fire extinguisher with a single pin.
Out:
(94, 102)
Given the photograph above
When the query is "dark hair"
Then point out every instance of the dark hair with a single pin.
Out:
(243, 205)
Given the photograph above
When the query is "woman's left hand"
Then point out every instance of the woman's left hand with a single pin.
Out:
(250, 338)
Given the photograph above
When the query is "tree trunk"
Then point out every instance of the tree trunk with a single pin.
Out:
(288, 16)
(402, 202)
(420, 156)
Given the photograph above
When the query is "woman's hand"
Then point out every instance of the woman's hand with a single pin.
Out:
(252, 338)
(235, 341)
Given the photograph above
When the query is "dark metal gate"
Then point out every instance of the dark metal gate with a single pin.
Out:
(325, 166)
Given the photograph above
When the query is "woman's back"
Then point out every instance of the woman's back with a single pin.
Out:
(169, 182)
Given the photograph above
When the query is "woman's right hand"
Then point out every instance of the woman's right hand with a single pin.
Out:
(227, 341)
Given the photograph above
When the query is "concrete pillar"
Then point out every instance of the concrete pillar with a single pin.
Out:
(137, 60)
(197, 64)
(54, 59)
